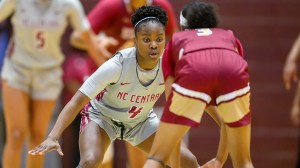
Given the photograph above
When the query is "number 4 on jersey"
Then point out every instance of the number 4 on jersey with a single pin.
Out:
(134, 111)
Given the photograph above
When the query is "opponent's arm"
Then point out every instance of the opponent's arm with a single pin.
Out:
(290, 68)
(295, 111)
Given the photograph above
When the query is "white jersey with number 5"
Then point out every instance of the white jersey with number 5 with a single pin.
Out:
(38, 27)
(123, 98)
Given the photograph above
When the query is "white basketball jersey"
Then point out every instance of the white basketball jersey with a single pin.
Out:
(38, 26)
(128, 100)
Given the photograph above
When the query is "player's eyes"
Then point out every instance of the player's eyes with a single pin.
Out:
(159, 39)
(146, 40)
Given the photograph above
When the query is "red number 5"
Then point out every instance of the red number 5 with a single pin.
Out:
(40, 37)
(134, 111)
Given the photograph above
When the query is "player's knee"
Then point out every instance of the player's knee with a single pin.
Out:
(17, 137)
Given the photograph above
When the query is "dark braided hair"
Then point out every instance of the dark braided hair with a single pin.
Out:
(200, 14)
(148, 11)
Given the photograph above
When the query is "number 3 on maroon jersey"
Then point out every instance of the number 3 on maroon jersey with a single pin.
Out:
(134, 111)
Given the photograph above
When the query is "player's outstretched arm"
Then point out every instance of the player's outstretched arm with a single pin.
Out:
(66, 116)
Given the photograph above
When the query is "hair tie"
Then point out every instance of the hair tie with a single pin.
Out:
(183, 20)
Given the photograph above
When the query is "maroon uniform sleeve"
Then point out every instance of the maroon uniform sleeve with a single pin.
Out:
(167, 61)
(100, 16)
(239, 47)
(172, 21)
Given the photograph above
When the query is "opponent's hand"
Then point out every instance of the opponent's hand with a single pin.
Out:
(104, 43)
(290, 74)
(214, 163)
(295, 115)
(47, 146)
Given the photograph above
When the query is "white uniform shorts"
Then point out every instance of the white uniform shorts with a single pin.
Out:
(45, 84)
(118, 130)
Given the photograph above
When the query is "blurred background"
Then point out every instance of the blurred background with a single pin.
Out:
(267, 30)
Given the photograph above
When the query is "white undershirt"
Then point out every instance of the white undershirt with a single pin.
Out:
(146, 77)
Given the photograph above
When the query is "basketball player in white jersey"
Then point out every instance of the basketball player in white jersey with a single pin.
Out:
(31, 76)
(131, 82)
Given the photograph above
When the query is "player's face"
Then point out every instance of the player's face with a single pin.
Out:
(135, 4)
(150, 43)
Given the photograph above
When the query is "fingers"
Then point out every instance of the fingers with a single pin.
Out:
(45, 148)
(39, 150)
(287, 85)
(112, 41)
(289, 74)
(60, 151)
(287, 79)
(295, 117)
(106, 53)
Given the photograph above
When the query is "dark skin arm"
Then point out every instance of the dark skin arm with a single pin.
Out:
(65, 118)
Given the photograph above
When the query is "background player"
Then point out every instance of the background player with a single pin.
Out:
(31, 76)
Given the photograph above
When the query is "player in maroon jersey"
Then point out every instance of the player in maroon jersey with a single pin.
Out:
(204, 66)
(116, 32)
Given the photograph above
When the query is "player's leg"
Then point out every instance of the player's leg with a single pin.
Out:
(40, 117)
(93, 142)
(16, 105)
(46, 88)
(239, 146)
(135, 156)
(233, 102)
(183, 111)
(108, 157)
(144, 142)
(237, 118)
(222, 153)
(171, 151)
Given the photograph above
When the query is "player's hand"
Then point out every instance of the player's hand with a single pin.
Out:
(290, 73)
(104, 43)
(295, 115)
(48, 145)
(214, 163)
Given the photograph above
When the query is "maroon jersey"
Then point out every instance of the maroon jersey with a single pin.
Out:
(77, 67)
(195, 40)
(113, 18)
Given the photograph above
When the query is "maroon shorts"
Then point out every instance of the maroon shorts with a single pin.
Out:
(210, 77)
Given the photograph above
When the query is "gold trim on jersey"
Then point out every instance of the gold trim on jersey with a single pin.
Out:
(236, 109)
(187, 107)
